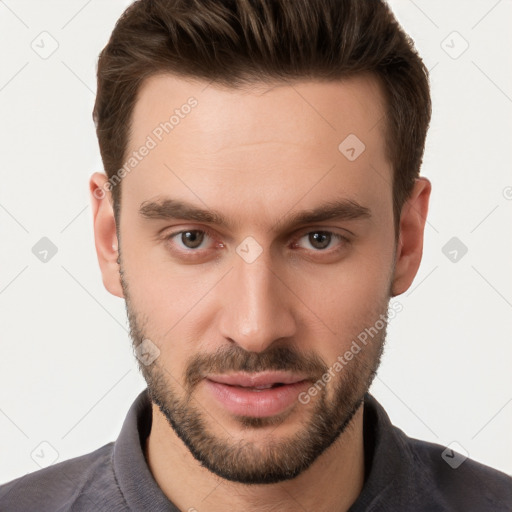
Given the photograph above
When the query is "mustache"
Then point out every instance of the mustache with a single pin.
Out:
(236, 359)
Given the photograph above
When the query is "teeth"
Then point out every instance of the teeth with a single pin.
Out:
(263, 387)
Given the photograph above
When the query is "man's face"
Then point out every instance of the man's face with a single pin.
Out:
(262, 290)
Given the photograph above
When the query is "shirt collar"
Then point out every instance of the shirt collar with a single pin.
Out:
(139, 488)
(386, 456)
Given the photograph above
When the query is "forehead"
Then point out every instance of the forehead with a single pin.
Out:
(260, 112)
(266, 144)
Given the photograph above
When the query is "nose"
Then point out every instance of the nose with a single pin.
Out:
(256, 305)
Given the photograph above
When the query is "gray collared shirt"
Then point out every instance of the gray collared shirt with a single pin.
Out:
(401, 474)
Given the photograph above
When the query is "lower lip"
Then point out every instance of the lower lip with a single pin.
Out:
(256, 403)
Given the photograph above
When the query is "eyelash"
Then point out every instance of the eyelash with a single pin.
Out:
(193, 252)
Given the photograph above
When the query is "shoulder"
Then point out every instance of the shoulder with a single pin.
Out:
(60, 486)
(459, 481)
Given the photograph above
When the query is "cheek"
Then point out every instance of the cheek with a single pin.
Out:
(355, 283)
(162, 288)
(348, 298)
(168, 301)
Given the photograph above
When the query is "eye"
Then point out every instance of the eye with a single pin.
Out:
(188, 239)
(320, 240)
(192, 239)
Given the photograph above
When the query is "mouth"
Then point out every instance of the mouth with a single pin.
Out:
(259, 395)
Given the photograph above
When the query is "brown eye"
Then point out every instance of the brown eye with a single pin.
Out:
(320, 239)
(192, 239)
(192, 245)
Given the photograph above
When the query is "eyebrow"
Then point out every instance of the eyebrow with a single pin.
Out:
(173, 209)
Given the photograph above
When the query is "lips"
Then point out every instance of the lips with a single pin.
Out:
(264, 380)
(257, 395)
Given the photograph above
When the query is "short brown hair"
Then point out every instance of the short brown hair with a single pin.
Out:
(242, 42)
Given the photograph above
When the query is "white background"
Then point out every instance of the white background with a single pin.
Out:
(67, 371)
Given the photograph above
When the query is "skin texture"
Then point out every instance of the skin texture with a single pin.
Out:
(258, 156)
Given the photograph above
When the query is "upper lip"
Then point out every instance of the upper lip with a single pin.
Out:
(257, 379)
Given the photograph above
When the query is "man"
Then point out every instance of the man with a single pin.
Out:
(261, 205)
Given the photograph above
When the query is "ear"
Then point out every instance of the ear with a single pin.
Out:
(105, 236)
(410, 241)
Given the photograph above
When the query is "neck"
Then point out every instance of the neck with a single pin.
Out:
(332, 482)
